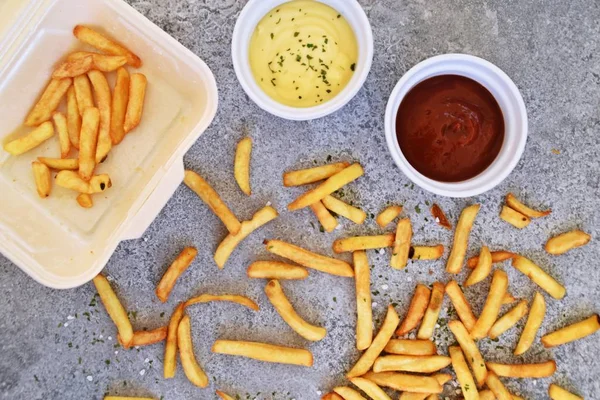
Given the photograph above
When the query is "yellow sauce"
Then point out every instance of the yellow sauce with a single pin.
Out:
(303, 53)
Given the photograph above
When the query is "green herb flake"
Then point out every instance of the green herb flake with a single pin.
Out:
(329, 158)
(418, 209)
(335, 299)
(36, 378)
(107, 362)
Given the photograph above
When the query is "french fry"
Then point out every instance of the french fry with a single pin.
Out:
(497, 256)
(73, 117)
(405, 382)
(74, 67)
(471, 351)
(355, 243)
(508, 320)
(566, 241)
(461, 239)
(572, 332)
(420, 364)
(508, 299)
(103, 100)
(516, 205)
(241, 166)
(433, 311)
(482, 269)
(426, 252)
(145, 338)
(311, 175)
(441, 378)
(87, 142)
(85, 200)
(33, 139)
(223, 395)
(114, 308)
(364, 313)
(43, 180)
(226, 247)
(135, 105)
(177, 267)
(401, 244)
(348, 393)
(332, 396)
(557, 393)
(191, 368)
(461, 305)
(276, 270)
(388, 215)
(411, 347)
(534, 321)
(264, 352)
(170, 358)
(539, 277)
(48, 101)
(539, 370)
(212, 200)
(496, 386)
(327, 221)
(339, 207)
(119, 106)
(83, 93)
(463, 375)
(285, 309)
(101, 62)
(333, 183)
(416, 310)
(60, 124)
(514, 218)
(386, 331)
(440, 217)
(491, 309)
(102, 43)
(71, 180)
(370, 388)
(309, 259)
(233, 298)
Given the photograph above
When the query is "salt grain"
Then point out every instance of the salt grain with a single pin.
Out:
(90, 378)
(101, 336)
(110, 338)
(319, 392)
(146, 360)
(116, 352)
(109, 278)
(384, 287)
(142, 372)
(70, 317)
(408, 279)
(66, 324)
(373, 304)
(437, 219)
(381, 251)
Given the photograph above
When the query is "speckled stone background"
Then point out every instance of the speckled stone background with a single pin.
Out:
(61, 344)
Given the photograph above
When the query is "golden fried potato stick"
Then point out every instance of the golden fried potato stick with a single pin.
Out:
(135, 105)
(88, 139)
(364, 312)
(401, 244)
(388, 215)
(516, 205)
(333, 183)
(482, 269)
(386, 331)
(114, 308)
(514, 218)
(499, 390)
(264, 352)
(440, 217)
(405, 382)
(73, 117)
(120, 100)
(355, 243)
(508, 320)
(177, 267)
(101, 62)
(471, 351)
(85, 200)
(557, 393)
(276, 270)
(348, 393)
(311, 175)
(461, 239)
(539, 370)
(224, 396)
(332, 396)
(426, 252)
(102, 43)
(491, 309)
(405, 363)
(433, 311)
(48, 101)
(534, 321)
(83, 93)
(339, 207)
(566, 241)
(370, 388)
(463, 375)
(411, 347)
(309, 259)
(461, 305)
(170, 359)
(74, 67)
(212, 200)
(441, 378)
(572, 332)
(43, 180)
(226, 247)
(241, 165)
(145, 338)
(33, 139)
(191, 368)
(61, 126)
(416, 310)
(497, 256)
(71, 180)
(539, 277)
(103, 100)
(233, 298)
(327, 221)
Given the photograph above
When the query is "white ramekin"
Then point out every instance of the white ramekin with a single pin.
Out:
(511, 103)
(244, 27)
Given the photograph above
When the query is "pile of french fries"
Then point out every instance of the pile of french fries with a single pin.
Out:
(92, 127)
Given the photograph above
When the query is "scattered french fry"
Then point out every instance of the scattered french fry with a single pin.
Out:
(440, 217)
(432, 313)
(327, 221)
(83, 93)
(370, 388)
(461, 239)
(416, 310)
(516, 205)
(145, 338)
(441, 378)
(499, 390)
(572, 332)
(73, 117)
(332, 396)
(87, 142)
(470, 350)
(135, 105)
(61, 126)
(119, 106)
(539, 277)
(401, 244)
(426, 252)
(566, 241)
(71, 180)
(114, 308)
(514, 218)
(191, 368)
(557, 393)
(177, 267)
(348, 393)
(388, 215)
(103, 100)
(311, 175)
(48, 102)
(411, 347)
(482, 269)
(233, 298)
(170, 358)
(33, 139)
(74, 67)
(492, 305)
(264, 352)
(102, 43)
(534, 321)
(364, 313)
(420, 364)
(85, 200)
(539, 370)
(339, 207)
(223, 395)
(276, 270)
(43, 180)
(463, 375)
(355, 243)
(497, 256)
(508, 320)
(241, 166)
(101, 62)
(405, 382)
(461, 305)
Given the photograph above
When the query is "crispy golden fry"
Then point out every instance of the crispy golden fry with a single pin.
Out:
(309, 259)
(101, 62)
(440, 217)
(119, 106)
(74, 67)
(514, 218)
(212, 200)
(191, 368)
(170, 359)
(276, 270)
(102, 43)
(126, 398)
(71, 180)
(364, 313)
(557, 393)
(494, 383)
(224, 396)
(145, 338)
(48, 102)
(114, 308)
(433, 311)
(572, 332)
(461, 239)
(386, 331)
(310, 175)
(534, 321)
(85, 200)
(482, 269)
(264, 352)
(103, 100)
(363, 243)
(405, 382)
(370, 388)
(490, 311)
(339, 207)
(497, 256)
(508, 320)
(539, 277)
(327, 221)
(461, 305)
(388, 215)
(135, 105)
(401, 244)
(241, 166)
(470, 349)
(60, 123)
(348, 393)
(516, 205)
(332, 184)
(441, 378)
(285, 309)
(426, 252)
(421, 364)
(463, 375)
(177, 267)
(83, 93)
(73, 117)
(87, 142)
(33, 139)
(226, 247)
(508, 299)
(233, 298)
(416, 310)
(332, 396)
(539, 370)
(43, 180)
(411, 347)
(566, 241)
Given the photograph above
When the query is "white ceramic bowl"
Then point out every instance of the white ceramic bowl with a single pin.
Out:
(509, 99)
(254, 11)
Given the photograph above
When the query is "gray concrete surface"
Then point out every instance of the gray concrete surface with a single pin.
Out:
(61, 344)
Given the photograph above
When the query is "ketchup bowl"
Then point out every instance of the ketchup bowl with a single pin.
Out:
(508, 98)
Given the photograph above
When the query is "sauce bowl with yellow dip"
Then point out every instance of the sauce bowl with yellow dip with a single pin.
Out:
(302, 59)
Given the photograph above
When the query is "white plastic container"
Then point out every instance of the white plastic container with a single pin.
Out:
(58, 243)
(509, 99)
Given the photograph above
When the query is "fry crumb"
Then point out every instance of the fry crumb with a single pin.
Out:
(556, 151)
